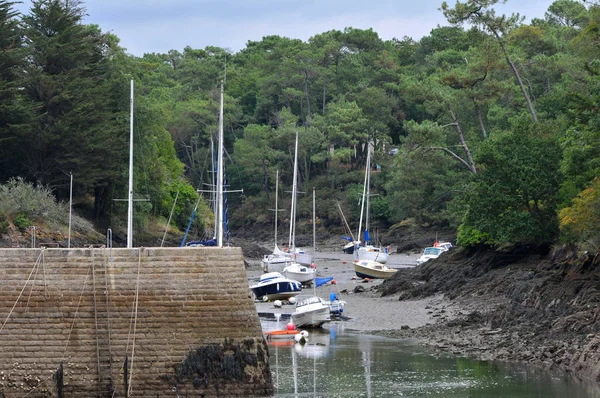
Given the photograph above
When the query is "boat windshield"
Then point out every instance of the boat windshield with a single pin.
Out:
(432, 251)
(309, 300)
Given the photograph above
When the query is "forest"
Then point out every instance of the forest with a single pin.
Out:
(487, 126)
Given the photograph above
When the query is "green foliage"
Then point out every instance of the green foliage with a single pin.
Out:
(579, 222)
(22, 222)
(513, 198)
(449, 102)
(4, 224)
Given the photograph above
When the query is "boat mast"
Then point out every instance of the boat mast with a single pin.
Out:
(219, 226)
(292, 240)
(362, 208)
(130, 199)
(314, 225)
(367, 238)
(213, 184)
(276, 199)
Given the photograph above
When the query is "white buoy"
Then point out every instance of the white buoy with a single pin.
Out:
(292, 300)
(299, 338)
(277, 303)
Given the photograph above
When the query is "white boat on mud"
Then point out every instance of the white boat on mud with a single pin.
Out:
(310, 312)
(301, 273)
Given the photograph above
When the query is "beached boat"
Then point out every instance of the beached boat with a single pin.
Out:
(274, 286)
(429, 253)
(301, 273)
(369, 251)
(310, 312)
(373, 269)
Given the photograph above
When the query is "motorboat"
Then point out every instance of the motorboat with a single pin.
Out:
(373, 269)
(370, 252)
(310, 312)
(429, 253)
(274, 286)
(445, 246)
(301, 273)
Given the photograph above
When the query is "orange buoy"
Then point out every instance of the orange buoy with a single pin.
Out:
(343, 262)
(333, 281)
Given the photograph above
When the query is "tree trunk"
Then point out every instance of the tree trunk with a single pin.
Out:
(461, 137)
(324, 92)
(483, 132)
(516, 72)
(307, 97)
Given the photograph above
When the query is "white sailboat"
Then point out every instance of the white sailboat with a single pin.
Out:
(295, 257)
(369, 251)
(301, 268)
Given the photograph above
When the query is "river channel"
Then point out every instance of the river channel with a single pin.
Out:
(337, 362)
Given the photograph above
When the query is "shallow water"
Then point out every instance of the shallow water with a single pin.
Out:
(341, 363)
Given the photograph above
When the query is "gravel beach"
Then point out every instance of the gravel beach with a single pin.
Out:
(365, 311)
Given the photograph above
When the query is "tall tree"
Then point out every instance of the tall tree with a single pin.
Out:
(479, 13)
(13, 110)
(80, 124)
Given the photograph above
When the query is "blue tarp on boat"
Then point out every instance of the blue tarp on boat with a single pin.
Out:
(322, 281)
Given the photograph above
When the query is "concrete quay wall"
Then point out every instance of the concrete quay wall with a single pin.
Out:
(160, 322)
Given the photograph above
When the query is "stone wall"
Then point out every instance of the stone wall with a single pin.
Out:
(160, 322)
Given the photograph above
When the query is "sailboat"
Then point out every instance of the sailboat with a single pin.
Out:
(280, 259)
(369, 251)
(301, 268)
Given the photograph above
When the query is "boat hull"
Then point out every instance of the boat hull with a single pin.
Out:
(274, 286)
(311, 319)
(303, 274)
(368, 270)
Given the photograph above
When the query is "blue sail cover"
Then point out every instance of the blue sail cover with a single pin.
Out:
(349, 239)
(208, 242)
(322, 281)
(367, 236)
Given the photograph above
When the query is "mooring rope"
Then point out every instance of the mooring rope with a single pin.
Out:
(22, 290)
(41, 383)
(76, 312)
(135, 312)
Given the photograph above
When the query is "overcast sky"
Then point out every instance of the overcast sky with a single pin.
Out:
(147, 26)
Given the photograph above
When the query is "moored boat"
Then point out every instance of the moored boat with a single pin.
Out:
(373, 270)
(301, 273)
(311, 312)
(274, 286)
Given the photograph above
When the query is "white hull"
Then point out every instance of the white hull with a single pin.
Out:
(311, 312)
(372, 253)
(300, 273)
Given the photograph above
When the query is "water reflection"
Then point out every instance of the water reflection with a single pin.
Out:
(340, 363)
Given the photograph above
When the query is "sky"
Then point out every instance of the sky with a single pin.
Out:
(157, 26)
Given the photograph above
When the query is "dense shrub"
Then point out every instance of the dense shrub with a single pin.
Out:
(3, 222)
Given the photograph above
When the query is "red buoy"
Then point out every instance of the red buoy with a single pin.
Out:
(291, 326)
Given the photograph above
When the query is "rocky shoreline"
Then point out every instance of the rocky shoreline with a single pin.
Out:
(535, 308)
